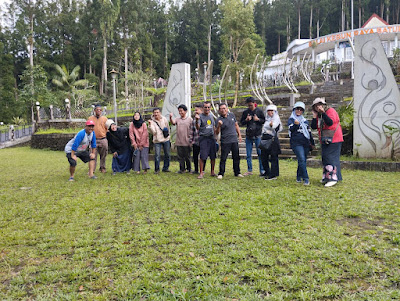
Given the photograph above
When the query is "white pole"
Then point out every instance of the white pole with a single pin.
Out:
(352, 39)
(115, 102)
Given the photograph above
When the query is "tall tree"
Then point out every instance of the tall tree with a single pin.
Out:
(108, 14)
(239, 37)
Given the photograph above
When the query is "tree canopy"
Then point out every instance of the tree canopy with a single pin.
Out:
(150, 35)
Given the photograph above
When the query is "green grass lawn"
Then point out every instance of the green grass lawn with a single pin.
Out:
(173, 237)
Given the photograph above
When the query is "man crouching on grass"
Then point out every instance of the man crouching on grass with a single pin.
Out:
(82, 146)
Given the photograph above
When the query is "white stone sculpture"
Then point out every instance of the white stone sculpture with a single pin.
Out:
(376, 101)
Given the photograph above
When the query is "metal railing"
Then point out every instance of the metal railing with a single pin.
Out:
(15, 133)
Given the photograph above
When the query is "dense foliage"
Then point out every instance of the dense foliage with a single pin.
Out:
(147, 36)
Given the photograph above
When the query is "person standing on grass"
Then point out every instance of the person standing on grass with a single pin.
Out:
(327, 121)
(205, 124)
(270, 130)
(100, 131)
(82, 146)
(253, 118)
(140, 142)
(198, 109)
(159, 127)
(301, 140)
(120, 146)
(182, 142)
(229, 128)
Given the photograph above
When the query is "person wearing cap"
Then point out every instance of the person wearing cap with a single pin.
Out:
(270, 130)
(301, 140)
(120, 147)
(327, 121)
(100, 131)
(253, 118)
(82, 146)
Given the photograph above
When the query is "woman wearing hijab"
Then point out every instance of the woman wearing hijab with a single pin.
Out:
(140, 143)
(301, 140)
(119, 145)
(327, 121)
(270, 130)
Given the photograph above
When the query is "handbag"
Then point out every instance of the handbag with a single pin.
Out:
(327, 135)
(266, 145)
(165, 130)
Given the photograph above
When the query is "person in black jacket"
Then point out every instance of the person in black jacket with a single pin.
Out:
(301, 140)
(120, 147)
(253, 118)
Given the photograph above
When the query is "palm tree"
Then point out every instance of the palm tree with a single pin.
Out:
(69, 82)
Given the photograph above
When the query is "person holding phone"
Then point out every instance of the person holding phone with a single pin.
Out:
(327, 121)
(301, 140)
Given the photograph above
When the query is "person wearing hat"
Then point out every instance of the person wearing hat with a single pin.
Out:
(82, 146)
(301, 140)
(270, 130)
(100, 131)
(120, 147)
(327, 121)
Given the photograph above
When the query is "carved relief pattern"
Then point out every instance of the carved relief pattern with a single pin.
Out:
(379, 106)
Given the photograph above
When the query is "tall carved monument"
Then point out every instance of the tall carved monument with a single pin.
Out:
(178, 90)
(376, 101)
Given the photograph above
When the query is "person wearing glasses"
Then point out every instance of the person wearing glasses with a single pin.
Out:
(301, 140)
(205, 124)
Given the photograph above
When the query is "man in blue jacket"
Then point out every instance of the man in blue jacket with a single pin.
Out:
(82, 146)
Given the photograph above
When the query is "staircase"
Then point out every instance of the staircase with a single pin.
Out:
(334, 93)
(284, 140)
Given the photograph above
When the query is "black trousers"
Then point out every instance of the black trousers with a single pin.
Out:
(184, 158)
(266, 159)
(226, 148)
(196, 153)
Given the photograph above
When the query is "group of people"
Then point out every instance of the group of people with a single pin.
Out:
(130, 146)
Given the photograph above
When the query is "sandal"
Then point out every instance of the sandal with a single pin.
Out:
(201, 176)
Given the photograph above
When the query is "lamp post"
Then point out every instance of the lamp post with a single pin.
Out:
(67, 109)
(37, 110)
(114, 77)
(204, 81)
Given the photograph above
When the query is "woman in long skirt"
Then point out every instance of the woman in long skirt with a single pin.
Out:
(119, 145)
(270, 130)
(327, 121)
(140, 142)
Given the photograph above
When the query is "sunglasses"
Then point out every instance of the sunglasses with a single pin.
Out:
(300, 109)
(207, 107)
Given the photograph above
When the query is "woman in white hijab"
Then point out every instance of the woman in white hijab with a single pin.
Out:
(270, 130)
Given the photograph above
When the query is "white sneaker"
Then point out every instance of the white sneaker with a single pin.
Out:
(240, 176)
(219, 177)
(330, 183)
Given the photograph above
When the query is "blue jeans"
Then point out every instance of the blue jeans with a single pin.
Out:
(301, 152)
(249, 150)
(167, 148)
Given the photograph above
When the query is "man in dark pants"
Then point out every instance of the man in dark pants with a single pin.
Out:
(253, 118)
(229, 128)
(205, 124)
(195, 140)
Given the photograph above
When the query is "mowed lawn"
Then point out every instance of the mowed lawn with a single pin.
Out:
(173, 237)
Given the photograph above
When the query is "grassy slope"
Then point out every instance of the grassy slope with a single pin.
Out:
(172, 236)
